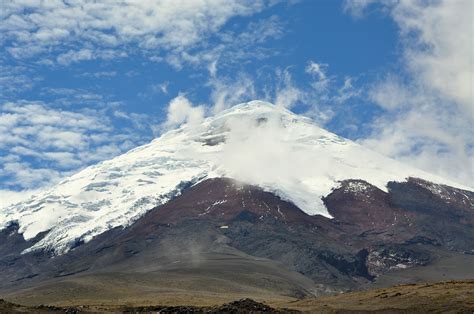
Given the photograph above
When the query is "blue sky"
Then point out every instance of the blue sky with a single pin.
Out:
(83, 82)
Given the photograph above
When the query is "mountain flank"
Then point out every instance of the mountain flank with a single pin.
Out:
(223, 240)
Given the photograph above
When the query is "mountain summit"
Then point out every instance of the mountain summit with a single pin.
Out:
(255, 143)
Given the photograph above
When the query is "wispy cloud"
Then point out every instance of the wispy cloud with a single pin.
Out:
(318, 71)
(230, 48)
(16, 79)
(358, 8)
(99, 74)
(229, 91)
(323, 95)
(320, 94)
(154, 89)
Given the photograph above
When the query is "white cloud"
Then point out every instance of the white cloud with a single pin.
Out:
(91, 29)
(181, 110)
(318, 71)
(160, 88)
(356, 8)
(320, 94)
(231, 47)
(246, 139)
(360, 8)
(347, 91)
(423, 138)
(287, 97)
(212, 68)
(16, 79)
(74, 56)
(429, 104)
(40, 144)
(227, 92)
(153, 89)
(287, 94)
(439, 47)
(390, 93)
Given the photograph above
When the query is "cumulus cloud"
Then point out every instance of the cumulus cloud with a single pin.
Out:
(246, 137)
(429, 104)
(40, 144)
(86, 30)
(181, 110)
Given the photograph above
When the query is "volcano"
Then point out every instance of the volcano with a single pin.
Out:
(255, 201)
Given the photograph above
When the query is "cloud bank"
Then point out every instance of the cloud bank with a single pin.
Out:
(429, 104)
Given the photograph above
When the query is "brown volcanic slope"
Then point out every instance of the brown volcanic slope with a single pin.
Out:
(222, 240)
(225, 200)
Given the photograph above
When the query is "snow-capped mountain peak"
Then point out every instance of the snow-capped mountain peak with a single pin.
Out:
(256, 142)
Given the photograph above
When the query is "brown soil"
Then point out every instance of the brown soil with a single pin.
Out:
(441, 297)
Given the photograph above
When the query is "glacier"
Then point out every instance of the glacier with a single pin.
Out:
(256, 143)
